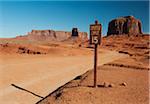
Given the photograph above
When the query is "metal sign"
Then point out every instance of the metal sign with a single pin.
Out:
(95, 32)
(95, 27)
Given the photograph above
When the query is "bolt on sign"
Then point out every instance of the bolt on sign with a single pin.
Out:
(95, 33)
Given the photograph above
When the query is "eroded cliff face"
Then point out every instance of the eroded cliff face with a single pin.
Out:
(51, 35)
(48, 35)
(125, 25)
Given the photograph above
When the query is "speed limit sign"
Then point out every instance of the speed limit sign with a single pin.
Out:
(95, 33)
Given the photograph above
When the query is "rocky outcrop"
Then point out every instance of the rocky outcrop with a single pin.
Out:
(125, 25)
(48, 35)
(25, 50)
(51, 35)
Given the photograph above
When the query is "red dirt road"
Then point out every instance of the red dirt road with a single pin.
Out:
(42, 74)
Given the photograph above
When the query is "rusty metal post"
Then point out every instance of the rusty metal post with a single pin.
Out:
(95, 66)
(95, 39)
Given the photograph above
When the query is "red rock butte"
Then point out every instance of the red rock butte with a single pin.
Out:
(125, 25)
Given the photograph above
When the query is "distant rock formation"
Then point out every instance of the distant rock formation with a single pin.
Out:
(44, 35)
(51, 35)
(125, 25)
(75, 32)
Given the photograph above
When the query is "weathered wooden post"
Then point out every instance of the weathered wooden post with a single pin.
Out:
(95, 38)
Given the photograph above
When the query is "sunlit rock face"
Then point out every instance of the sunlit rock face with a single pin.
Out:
(51, 35)
(125, 25)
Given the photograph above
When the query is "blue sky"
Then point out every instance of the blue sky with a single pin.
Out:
(18, 18)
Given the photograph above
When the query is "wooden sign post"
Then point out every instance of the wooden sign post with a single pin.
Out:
(95, 38)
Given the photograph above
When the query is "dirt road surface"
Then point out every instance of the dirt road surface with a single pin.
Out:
(42, 74)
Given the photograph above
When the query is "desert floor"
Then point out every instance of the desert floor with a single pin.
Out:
(61, 73)
(43, 74)
(115, 85)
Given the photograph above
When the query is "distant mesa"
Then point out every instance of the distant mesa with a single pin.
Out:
(51, 35)
(125, 25)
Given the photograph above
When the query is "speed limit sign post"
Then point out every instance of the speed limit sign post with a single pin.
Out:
(95, 39)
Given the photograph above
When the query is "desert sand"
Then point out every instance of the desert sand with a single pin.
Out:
(80, 91)
(50, 70)
(43, 74)
(123, 81)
